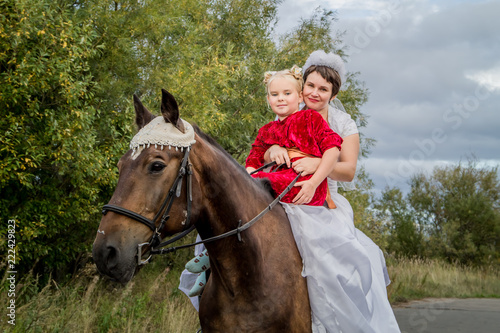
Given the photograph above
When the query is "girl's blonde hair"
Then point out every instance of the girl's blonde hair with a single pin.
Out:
(293, 74)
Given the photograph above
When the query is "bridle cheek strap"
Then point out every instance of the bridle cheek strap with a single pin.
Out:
(185, 170)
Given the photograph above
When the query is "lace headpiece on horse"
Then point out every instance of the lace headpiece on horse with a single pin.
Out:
(162, 134)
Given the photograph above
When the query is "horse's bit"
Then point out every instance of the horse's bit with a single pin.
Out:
(155, 241)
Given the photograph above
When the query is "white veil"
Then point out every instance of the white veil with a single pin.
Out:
(337, 104)
(346, 186)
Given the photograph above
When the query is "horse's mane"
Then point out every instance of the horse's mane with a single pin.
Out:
(264, 183)
(214, 143)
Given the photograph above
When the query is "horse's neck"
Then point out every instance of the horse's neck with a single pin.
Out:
(228, 193)
(230, 196)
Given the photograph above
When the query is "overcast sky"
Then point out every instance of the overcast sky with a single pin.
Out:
(433, 72)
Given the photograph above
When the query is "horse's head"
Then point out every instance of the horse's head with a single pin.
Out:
(147, 173)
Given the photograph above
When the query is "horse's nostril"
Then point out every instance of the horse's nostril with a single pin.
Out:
(111, 256)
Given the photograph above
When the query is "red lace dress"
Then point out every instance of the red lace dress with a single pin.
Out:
(306, 131)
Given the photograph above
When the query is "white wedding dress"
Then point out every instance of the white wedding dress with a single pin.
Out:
(345, 270)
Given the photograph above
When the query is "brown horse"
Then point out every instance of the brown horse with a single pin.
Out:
(256, 283)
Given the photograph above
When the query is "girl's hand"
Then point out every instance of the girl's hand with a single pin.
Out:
(306, 192)
(279, 155)
(250, 169)
(306, 165)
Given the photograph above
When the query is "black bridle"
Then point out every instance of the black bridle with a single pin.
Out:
(185, 170)
(155, 244)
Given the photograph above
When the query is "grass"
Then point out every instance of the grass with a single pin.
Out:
(152, 302)
(419, 278)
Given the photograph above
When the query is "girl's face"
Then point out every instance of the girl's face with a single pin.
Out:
(283, 97)
(317, 92)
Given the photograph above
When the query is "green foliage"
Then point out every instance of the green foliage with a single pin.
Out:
(461, 205)
(211, 55)
(405, 236)
(52, 169)
(454, 214)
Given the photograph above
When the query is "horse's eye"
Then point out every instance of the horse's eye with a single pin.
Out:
(157, 167)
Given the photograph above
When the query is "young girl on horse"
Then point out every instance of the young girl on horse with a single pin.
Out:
(302, 133)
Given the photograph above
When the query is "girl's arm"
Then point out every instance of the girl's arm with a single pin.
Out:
(250, 169)
(326, 166)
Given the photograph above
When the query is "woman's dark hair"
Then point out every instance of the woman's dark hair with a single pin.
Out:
(329, 74)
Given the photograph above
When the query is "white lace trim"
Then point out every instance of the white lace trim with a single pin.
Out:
(162, 134)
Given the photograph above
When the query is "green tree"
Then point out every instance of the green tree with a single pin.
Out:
(461, 206)
(405, 236)
(453, 213)
(51, 170)
(211, 55)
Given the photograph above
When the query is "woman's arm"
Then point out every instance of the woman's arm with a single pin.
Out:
(344, 169)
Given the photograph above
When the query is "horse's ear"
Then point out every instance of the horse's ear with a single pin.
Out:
(170, 110)
(142, 115)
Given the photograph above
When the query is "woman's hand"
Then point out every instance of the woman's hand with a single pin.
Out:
(306, 192)
(279, 155)
(306, 165)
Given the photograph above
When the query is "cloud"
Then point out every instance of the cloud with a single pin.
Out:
(431, 67)
(361, 8)
(490, 79)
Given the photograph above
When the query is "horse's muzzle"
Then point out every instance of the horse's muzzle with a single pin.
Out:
(113, 262)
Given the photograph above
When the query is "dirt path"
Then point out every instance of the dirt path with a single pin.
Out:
(449, 315)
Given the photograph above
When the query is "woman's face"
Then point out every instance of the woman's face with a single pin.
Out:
(317, 92)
